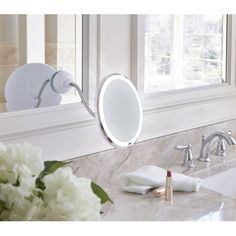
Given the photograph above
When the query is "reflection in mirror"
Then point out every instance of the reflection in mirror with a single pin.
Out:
(63, 48)
(27, 88)
(9, 51)
(181, 51)
(61, 37)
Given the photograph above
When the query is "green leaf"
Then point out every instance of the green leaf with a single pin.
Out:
(2, 206)
(49, 167)
(3, 181)
(100, 193)
(17, 183)
(30, 198)
(40, 184)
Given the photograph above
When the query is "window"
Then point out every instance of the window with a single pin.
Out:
(183, 51)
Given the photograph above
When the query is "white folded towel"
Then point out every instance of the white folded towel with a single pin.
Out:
(148, 177)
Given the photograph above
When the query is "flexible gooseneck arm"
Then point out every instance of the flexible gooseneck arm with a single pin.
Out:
(83, 99)
(61, 82)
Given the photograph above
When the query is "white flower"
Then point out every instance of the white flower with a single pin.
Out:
(68, 197)
(18, 159)
(20, 165)
(29, 209)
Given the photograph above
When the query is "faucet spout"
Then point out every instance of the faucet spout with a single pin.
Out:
(206, 143)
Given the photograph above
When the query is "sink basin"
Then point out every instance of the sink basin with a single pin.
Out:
(223, 182)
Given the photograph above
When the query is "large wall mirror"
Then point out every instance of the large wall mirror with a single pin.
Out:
(60, 48)
(181, 51)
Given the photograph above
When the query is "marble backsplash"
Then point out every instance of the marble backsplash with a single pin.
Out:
(106, 167)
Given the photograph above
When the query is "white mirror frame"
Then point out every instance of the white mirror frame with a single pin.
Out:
(67, 131)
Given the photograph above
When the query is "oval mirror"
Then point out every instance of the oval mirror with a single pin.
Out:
(119, 110)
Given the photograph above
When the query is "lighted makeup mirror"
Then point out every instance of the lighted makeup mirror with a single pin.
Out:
(118, 110)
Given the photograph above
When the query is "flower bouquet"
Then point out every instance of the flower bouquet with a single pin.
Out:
(31, 189)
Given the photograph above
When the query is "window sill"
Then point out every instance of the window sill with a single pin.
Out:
(68, 131)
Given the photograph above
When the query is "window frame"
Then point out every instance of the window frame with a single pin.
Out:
(170, 112)
(177, 35)
(195, 93)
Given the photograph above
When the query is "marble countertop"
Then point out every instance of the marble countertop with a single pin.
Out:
(202, 205)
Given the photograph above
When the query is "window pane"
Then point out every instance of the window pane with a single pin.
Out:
(159, 24)
(205, 47)
(159, 48)
(203, 24)
(183, 51)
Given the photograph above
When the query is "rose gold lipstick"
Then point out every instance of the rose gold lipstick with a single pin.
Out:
(169, 188)
(159, 191)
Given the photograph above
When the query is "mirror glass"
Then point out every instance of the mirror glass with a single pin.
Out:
(180, 51)
(55, 40)
(28, 88)
(119, 110)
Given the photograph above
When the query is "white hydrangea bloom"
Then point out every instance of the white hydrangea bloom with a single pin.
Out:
(68, 197)
(18, 159)
(25, 209)
(20, 165)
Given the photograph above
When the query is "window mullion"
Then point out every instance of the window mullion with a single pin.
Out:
(90, 57)
(224, 50)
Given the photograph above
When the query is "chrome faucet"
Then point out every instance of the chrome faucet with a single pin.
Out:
(207, 141)
(188, 156)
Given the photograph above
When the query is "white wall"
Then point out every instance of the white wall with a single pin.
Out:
(115, 41)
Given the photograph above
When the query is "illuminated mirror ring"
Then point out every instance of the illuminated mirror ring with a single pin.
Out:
(119, 110)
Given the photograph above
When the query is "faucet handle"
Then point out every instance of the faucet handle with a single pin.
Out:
(183, 147)
(220, 148)
(188, 156)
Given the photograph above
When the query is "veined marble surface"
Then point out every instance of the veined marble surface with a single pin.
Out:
(205, 205)
(105, 168)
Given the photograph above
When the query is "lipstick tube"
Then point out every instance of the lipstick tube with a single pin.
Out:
(159, 192)
(169, 188)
